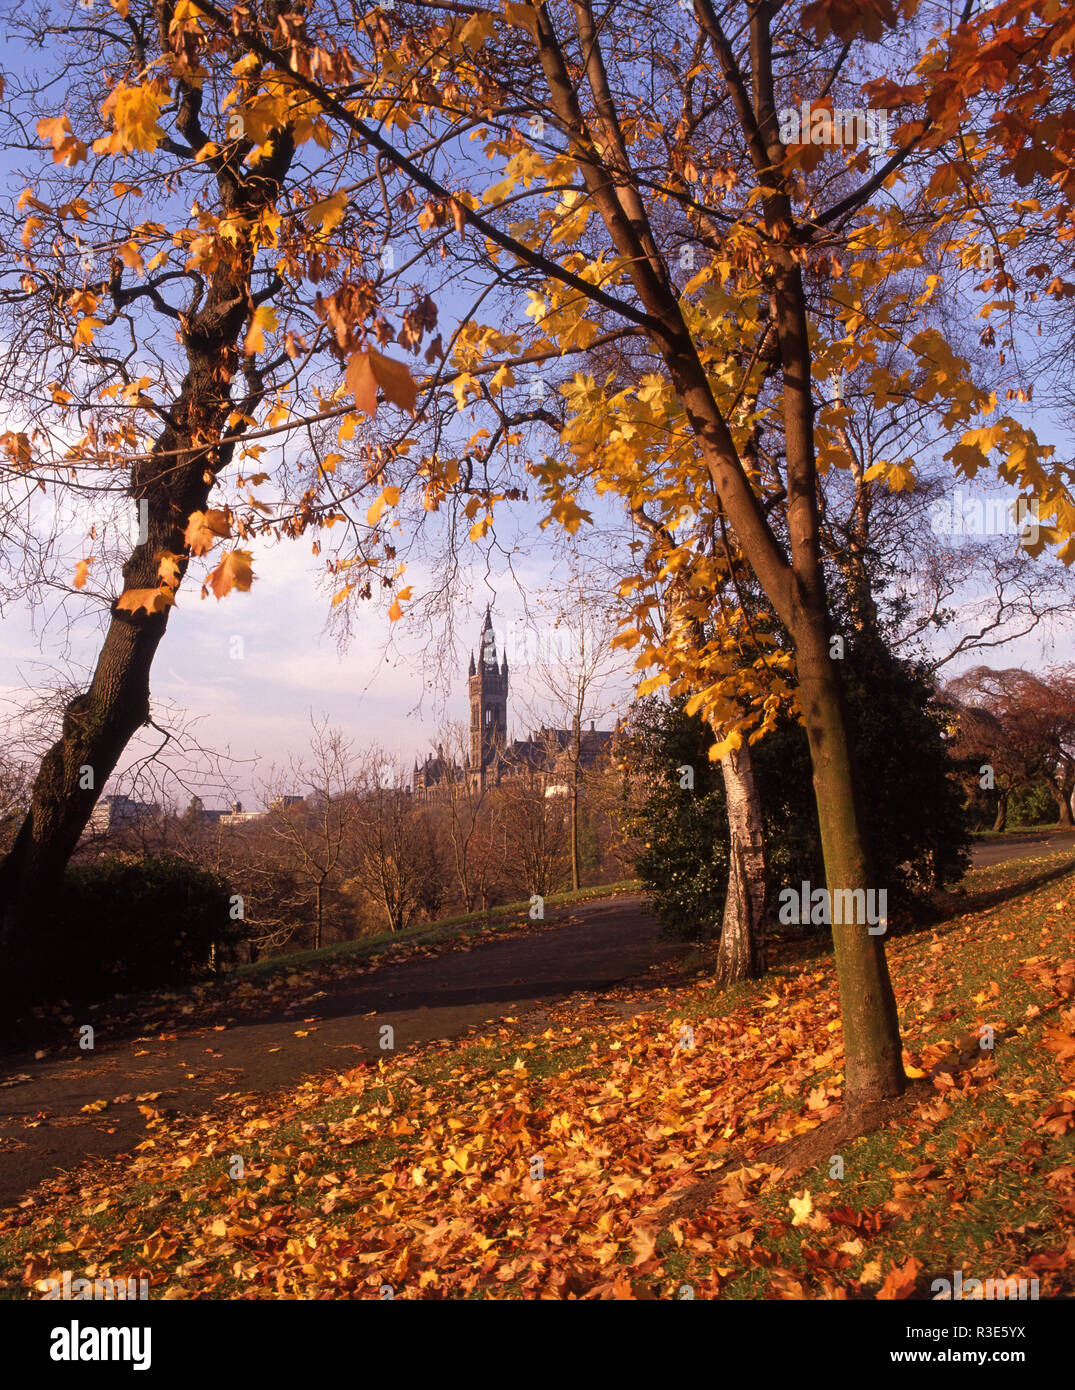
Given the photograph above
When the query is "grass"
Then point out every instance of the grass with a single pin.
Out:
(444, 929)
(1047, 828)
(417, 1171)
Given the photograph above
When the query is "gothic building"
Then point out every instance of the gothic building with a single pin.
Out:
(494, 758)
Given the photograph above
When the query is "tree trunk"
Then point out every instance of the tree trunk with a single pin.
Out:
(576, 871)
(1002, 813)
(873, 1054)
(1062, 797)
(741, 955)
(319, 908)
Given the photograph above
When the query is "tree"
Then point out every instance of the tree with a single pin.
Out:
(536, 828)
(571, 679)
(600, 252)
(157, 285)
(395, 850)
(316, 827)
(462, 802)
(1015, 728)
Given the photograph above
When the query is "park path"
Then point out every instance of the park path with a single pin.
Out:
(587, 948)
(1020, 846)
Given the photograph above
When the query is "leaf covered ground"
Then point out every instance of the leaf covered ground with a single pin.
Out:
(566, 1159)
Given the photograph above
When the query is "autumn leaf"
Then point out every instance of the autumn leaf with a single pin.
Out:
(85, 330)
(1060, 1043)
(388, 498)
(82, 570)
(66, 147)
(328, 212)
(168, 568)
(204, 529)
(233, 572)
(802, 1207)
(369, 369)
(152, 600)
(262, 322)
(900, 1280)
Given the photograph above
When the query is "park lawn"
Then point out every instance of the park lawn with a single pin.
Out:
(550, 1159)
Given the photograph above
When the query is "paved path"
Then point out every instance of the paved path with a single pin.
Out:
(589, 947)
(1019, 847)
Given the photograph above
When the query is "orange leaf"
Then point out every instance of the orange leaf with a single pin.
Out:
(168, 569)
(233, 572)
(361, 383)
(82, 570)
(900, 1280)
(264, 321)
(152, 600)
(370, 369)
(85, 331)
(202, 531)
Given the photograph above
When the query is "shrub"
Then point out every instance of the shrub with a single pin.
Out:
(913, 817)
(137, 924)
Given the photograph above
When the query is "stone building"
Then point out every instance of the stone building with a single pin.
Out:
(493, 757)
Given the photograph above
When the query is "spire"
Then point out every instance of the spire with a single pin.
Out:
(488, 639)
(470, 668)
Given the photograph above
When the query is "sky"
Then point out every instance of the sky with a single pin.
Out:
(253, 668)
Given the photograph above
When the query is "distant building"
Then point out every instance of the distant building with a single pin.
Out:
(237, 816)
(118, 812)
(493, 757)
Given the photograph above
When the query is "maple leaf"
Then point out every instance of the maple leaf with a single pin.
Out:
(203, 530)
(233, 572)
(388, 497)
(85, 330)
(262, 322)
(152, 600)
(803, 1209)
(66, 147)
(168, 568)
(82, 570)
(900, 1280)
(1063, 1044)
(369, 369)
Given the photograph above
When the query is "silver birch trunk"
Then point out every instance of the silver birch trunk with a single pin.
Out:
(741, 955)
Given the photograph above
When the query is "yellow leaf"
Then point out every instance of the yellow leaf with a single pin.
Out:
(82, 570)
(263, 321)
(328, 212)
(388, 498)
(802, 1207)
(233, 572)
(395, 612)
(85, 331)
(152, 600)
